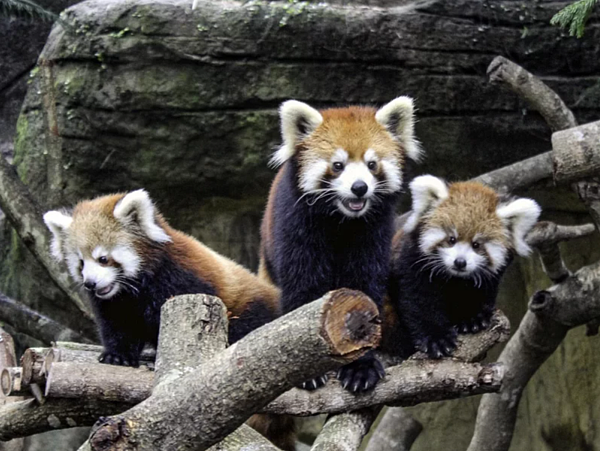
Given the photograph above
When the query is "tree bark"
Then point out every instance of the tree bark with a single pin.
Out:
(411, 383)
(206, 405)
(25, 215)
(345, 432)
(576, 152)
(397, 431)
(34, 324)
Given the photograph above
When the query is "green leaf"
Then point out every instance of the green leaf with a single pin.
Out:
(26, 8)
(574, 16)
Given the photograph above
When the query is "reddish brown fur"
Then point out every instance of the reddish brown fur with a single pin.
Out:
(470, 209)
(234, 284)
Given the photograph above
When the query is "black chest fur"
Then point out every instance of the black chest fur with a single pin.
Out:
(315, 248)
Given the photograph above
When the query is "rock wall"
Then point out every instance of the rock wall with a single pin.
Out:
(150, 93)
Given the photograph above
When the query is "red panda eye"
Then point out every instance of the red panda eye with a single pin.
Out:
(475, 245)
(337, 166)
(452, 240)
(103, 260)
(372, 165)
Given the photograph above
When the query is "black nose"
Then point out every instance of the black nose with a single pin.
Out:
(460, 263)
(359, 188)
(89, 285)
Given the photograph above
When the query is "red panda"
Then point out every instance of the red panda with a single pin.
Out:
(329, 220)
(130, 261)
(448, 260)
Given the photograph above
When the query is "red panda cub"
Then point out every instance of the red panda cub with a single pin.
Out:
(130, 261)
(449, 258)
(329, 220)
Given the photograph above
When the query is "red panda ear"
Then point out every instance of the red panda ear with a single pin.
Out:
(519, 216)
(137, 208)
(59, 224)
(298, 120)
(427, 193)
(398, 118)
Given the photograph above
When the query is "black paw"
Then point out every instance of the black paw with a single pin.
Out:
(123, 359)
(313, 384)
(436, 348)
(361, 375)
(474, 325)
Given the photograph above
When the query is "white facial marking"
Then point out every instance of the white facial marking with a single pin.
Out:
(370, 155)
(430, 239)
(340, 156)
(99, 252)
(465, 251)
(311, 178)
(354, 172)
(102, 276)
(130, 262)
(393, 175)
(497, 253)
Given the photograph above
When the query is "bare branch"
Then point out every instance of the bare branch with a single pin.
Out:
(25, 418)
(34, 324)
(576, 153)
(397, 431)
(225, 391)
(413, 382)
(539, 96)
(25, 216)
(345, 432)
(520, 174)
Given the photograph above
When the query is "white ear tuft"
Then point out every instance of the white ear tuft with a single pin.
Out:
(520, 216)
(427, 192)
(398, 117)
(59, 224)
(298, 120)
(136, 207)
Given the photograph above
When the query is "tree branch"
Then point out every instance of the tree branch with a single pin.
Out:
(8, 361)
(397, 431)
(576, 152)
(530, 88)
(345, 432)
(225, 391)
(25, 216)
(34, 324)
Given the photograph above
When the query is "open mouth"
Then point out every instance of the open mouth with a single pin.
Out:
(104, 291)
(354, 204)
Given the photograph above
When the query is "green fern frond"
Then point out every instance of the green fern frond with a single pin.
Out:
(574, 17)
(25, 8)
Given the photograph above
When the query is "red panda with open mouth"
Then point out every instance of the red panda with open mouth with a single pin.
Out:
(329, 220)
(130, 261)
(449, 258)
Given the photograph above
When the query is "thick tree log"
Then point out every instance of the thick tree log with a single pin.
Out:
(223, 393)
(10, 381)
(34, 324)
(24, 418)
(539, 96)
(76, 356)
(8, 360)
(345, 432)
(520, 174)
(576, 152)
(411, 383)
(397, 431)
(99, 381)
(244, 439)
(25, 215)
(32, 363)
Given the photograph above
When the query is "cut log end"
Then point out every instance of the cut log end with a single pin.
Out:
(10, 381)
(351, 322)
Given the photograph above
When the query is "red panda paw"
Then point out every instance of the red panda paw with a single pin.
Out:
(117, 358)
(313, 384)
(474, 325)
(436, 348)
(361, 375)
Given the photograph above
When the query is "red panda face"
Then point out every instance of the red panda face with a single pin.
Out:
(102, 241)
(464, 229)
(348, 157)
